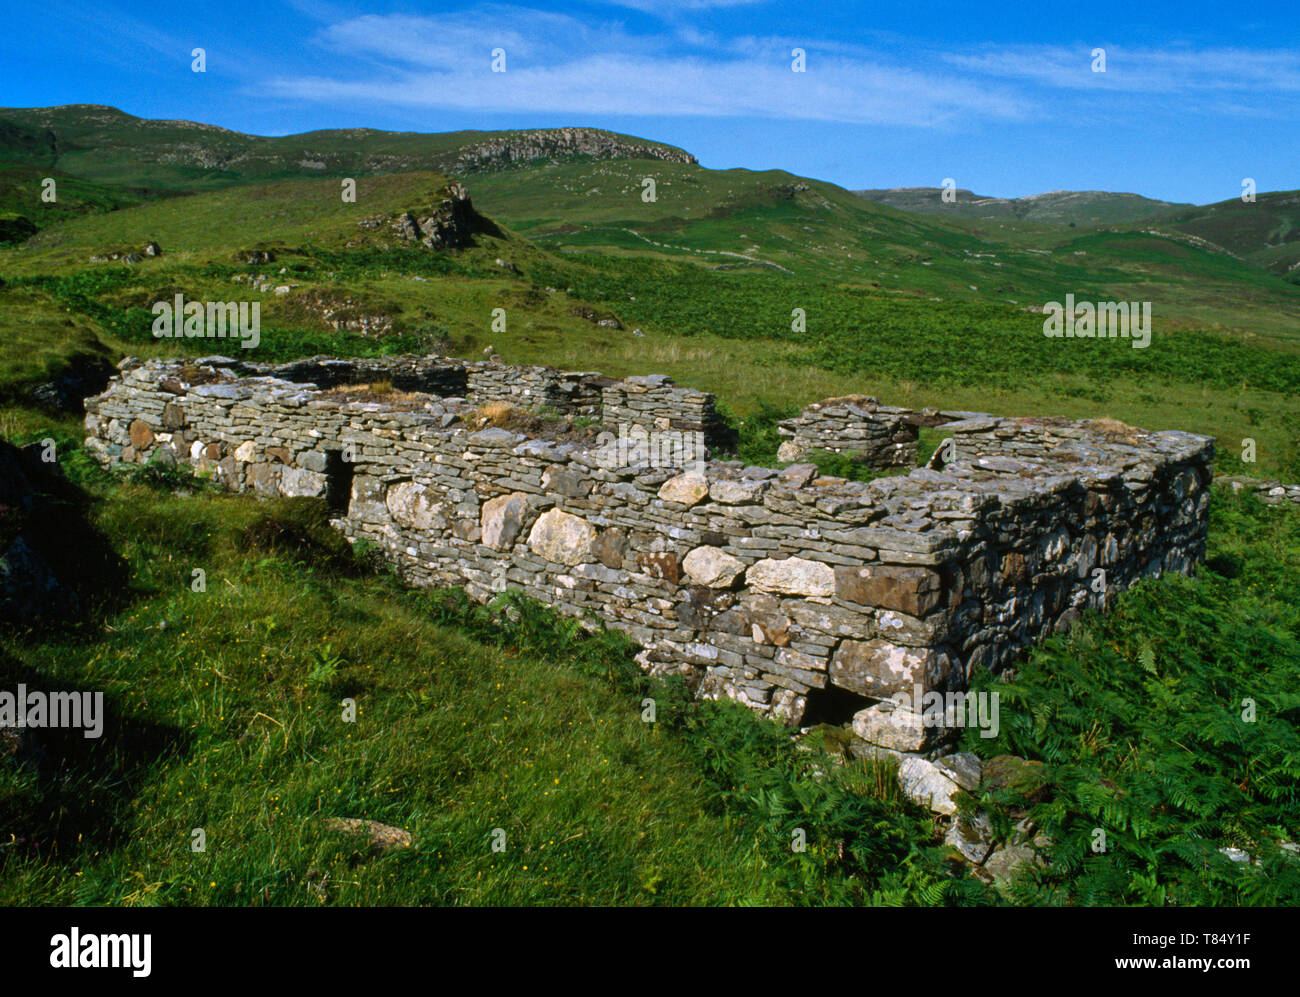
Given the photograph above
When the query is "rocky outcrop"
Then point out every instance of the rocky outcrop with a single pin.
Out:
(517, 148)
(451, 223)
(378, 837)
(346, 313)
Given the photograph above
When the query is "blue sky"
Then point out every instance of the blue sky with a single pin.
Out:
(999, 96)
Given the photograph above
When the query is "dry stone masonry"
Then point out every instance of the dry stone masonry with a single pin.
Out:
(1267, 489)
(804, 596)
(876, 435)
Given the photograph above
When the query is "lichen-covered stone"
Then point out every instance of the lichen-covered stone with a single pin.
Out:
(925, 783)
(973, 838)
(502, 520)
(414, 506)
(141, 435)
(962, 768)
(565, 481)
(879, 669)
(910, 589)
(712, 567)
(299, 483)
(889, 725)
(562, 538)
(736, 491)
(610, 547)
(687, 488)
(792, 576)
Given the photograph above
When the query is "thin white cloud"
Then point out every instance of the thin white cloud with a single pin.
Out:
(559, 64)
(1139, 70)
(563, 65)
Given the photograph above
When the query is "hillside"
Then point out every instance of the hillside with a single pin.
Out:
(112, 147)
(1057, 207)
(223, 703)
(775, 221)
(1265, 232)
(23, 212)
(574, 189)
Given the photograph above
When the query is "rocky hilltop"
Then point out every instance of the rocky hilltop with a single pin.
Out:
(509, 148)
(105, 144)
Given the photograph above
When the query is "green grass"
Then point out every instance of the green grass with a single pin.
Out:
(284, 213)
(727, 332)
(225, 713)
(1173, 725)
(226, 703)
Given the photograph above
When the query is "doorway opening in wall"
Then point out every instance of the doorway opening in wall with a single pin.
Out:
(832, 705)
(338, 481)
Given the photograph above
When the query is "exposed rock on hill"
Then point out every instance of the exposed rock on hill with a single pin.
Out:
(560, 143)
(451, 224)
(168, 152)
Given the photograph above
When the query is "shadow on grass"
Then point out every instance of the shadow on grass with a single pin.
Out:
(64, 794)
(57, 571)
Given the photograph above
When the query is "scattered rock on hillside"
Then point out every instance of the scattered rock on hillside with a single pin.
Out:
(973, 837)
(962, 768)
(379, 837)
(129, 256)
(925, 783)
(595, 317)
(346, 313)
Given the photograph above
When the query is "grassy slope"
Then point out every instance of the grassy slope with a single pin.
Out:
(288, 212)
(715, 796)
(21, 188)
(724, 217)
(1266, 231)
(225, 715)
(224, 711)
(109, 146)
(1062, 207)
(725, 331)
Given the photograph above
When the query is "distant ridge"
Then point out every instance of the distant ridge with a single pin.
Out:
(1056, 207)
(108, 145)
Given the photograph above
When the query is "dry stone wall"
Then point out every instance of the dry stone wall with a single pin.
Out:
(1267, 489)
(792, 592)
(877, 435)
(652, 403)
(880, 436)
